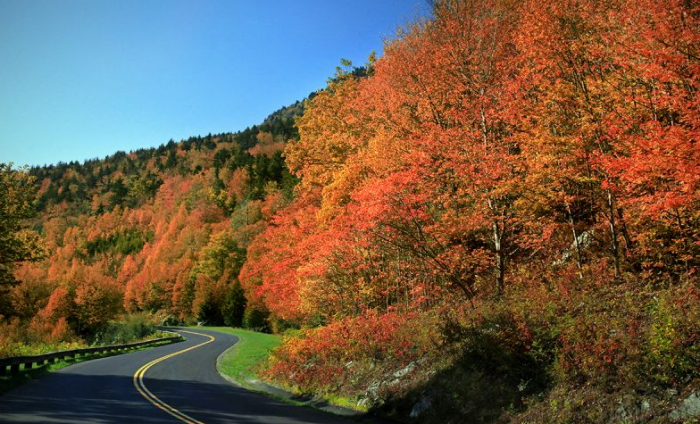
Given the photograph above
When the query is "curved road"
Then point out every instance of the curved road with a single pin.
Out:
(168, 384)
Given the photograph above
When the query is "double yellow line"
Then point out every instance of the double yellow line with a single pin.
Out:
(141, 387)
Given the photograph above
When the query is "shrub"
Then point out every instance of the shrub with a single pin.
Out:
(347, 356)
(34, 338)
(234, 306)
(132, 328)
(673, 339)
(256, 318)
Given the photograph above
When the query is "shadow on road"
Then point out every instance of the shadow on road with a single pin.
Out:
(75, 398)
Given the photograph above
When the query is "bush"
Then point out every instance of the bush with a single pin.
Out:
(132, 328)
(233, 309)
(347, 356)
(21, 338)
(673, 340)
(515, 336)
(256, 319)
(602, 336)
(566, 355)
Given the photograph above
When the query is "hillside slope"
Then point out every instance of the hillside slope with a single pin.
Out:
(159, 230)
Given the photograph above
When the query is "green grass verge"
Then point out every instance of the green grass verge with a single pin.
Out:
(241, 362)
(9, 382)
(252, 348)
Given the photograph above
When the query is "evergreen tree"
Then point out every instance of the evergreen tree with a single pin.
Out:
(234, 306)
(209, 311)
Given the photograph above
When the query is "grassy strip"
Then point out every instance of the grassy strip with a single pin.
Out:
(241, 362)
(252, 348)
(9, 382)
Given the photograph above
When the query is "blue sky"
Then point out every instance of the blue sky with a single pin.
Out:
(84, 78)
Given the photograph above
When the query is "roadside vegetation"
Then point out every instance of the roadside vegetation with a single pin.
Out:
(244, 360)
(247, 362)
(9, 382)
(16, 341)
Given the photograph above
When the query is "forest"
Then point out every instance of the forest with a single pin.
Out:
(498, 219)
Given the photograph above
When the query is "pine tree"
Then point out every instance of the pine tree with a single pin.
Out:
(234, 306)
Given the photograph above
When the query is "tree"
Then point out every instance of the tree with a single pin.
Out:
(119, 192)
(256, 319)
(209, 312)
(234, 306)
(17, 243)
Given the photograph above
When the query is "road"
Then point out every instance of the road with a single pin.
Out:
(168, 384)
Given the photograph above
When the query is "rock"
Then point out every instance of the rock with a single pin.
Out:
(621, 413)
(584, 242)
(627, 408)
(630, 408)
(365, 403)
(423, 404)
(371, 394)
(403, 371)
(690, 408)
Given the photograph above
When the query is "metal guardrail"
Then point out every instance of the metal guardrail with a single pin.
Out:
(12, 365)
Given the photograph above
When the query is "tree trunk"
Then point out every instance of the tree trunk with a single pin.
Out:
(500, 255)
(579, 261)
(613, 235)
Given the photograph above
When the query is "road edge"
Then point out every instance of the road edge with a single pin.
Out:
(33, 374)
(283, 395)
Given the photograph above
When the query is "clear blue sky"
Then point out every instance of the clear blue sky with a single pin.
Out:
(84, 78)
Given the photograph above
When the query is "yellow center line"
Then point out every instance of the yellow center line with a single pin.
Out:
(141, 387)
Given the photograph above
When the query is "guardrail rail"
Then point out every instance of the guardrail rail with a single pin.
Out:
(11, 366)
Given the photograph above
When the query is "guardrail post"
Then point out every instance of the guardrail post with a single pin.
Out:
(14, 369)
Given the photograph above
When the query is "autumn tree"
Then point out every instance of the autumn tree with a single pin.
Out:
(656, 122)
(17, 243)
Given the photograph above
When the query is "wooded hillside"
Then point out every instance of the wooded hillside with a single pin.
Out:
(497, 220)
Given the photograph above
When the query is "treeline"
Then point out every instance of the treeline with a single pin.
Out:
(161, 230)
(131, 179)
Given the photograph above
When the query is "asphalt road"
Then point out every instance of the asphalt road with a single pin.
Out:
(184, 387)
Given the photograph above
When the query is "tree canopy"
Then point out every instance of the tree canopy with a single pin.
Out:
(17, 242)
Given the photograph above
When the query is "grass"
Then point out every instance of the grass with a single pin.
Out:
(241, 362)
(252, 348)
(9, 382)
